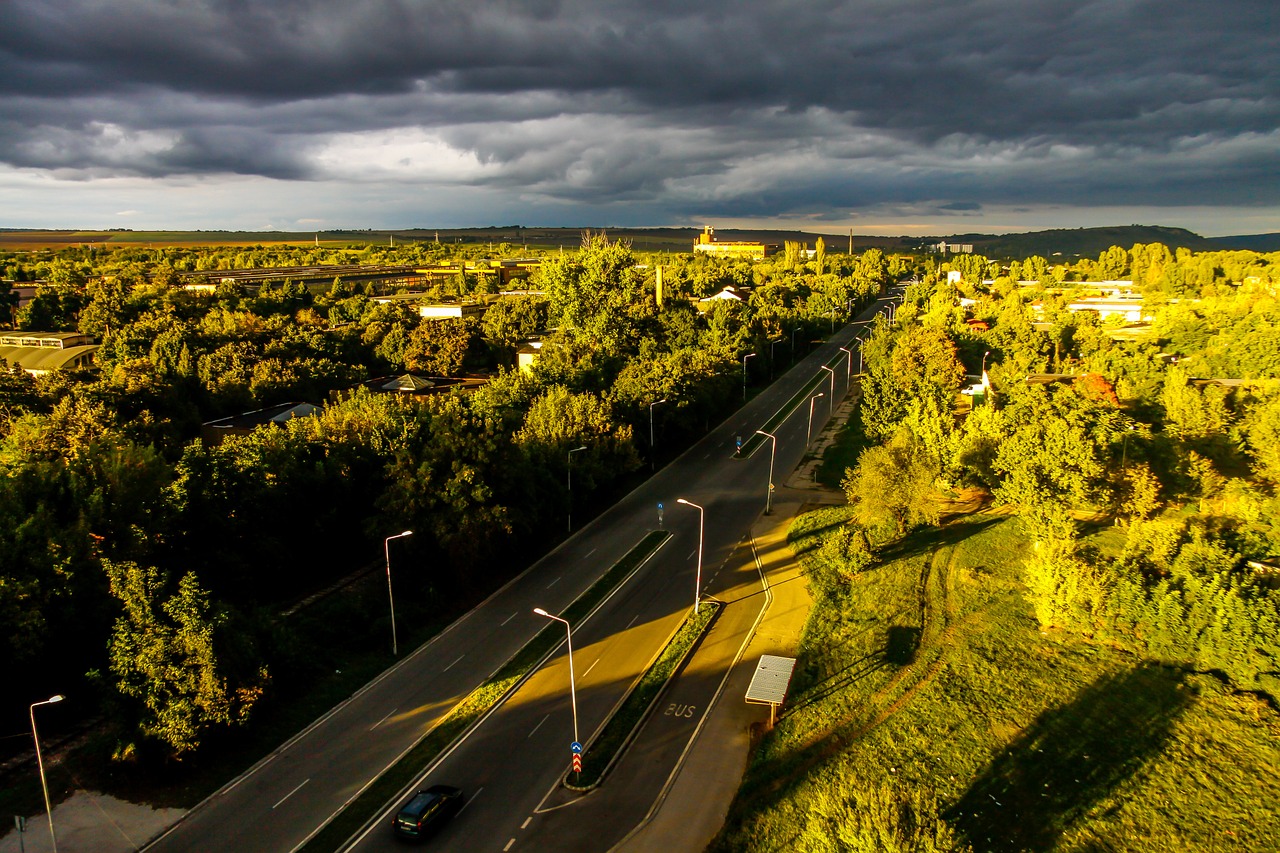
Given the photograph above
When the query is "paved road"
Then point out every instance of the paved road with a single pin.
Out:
(512, 760)
(512, 765)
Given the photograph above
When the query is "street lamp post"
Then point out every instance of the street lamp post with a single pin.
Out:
(793, 344)
(697, 581)
(831, 402)
(809, 431)
(573, 692)
(40, 763)
(569, 470)
(772, 346)
(984, 362)
(773, 449)
(386, 547)
(652, 451)
(848, 367)
(744, 374)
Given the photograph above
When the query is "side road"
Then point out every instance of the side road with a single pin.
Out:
(673, 786)
(696, 798)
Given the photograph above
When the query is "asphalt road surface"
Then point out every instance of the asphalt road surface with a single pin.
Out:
(510, 763)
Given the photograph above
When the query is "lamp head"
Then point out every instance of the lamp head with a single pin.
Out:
(682, 501)
(540, 611)
(407, 533)
(57, 698)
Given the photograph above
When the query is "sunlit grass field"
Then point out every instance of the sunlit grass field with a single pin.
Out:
(929, 712)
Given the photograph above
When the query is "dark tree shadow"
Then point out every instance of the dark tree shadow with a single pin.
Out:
(1068, 759)
(901, 644)
(926, 540)
(852, 673)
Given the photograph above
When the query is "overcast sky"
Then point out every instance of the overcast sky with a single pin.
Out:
(885, 116)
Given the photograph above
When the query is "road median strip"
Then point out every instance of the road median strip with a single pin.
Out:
(749, 446)
(364, 808)
(623, 724)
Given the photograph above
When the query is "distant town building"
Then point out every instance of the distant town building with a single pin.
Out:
(953, 248)
(434, 310)
(527, 356)
(707, 244)
(39, 352)
(213, 432)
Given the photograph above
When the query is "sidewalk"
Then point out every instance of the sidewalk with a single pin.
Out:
(693, 806)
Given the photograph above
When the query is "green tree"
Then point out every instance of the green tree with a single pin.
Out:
(893, 484)
(1262, 436)
(163, 653)
(512, 320)
(440, 347)
(596, 294)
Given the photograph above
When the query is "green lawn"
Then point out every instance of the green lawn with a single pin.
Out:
(929, 711)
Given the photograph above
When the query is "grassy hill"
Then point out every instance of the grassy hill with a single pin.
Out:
(929, 712)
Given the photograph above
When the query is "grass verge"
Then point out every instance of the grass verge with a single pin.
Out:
(929, 707)
(479, 702)
(617, 732)
(843, 453)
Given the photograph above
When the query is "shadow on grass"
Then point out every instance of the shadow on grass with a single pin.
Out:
(854, 672)
(901, 645)
(928, 540)
(1068, 759)
(807, 540)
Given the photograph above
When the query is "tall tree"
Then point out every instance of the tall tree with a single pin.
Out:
(163, 653)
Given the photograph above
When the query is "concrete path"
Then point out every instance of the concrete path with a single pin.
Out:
(88, 821)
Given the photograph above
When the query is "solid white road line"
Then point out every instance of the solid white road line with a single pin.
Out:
(470, 800)
(538, 726)
(509, 618)
(383, 720)
(291, 793)
(593, 666)
(455, 663)
(553, 583)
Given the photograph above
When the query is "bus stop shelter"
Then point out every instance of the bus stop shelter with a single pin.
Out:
(770, 682)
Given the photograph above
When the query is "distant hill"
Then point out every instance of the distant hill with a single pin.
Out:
(1090, 242)
(1249, 242)
(1080, 242)
(1057, 243)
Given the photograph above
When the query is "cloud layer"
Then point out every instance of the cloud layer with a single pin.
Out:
(646, 113)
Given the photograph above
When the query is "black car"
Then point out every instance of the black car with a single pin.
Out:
(427, 811)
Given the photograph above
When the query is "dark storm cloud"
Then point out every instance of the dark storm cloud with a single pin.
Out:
(719, 107)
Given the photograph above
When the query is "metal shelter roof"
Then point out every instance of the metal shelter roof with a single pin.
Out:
(771, 679)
